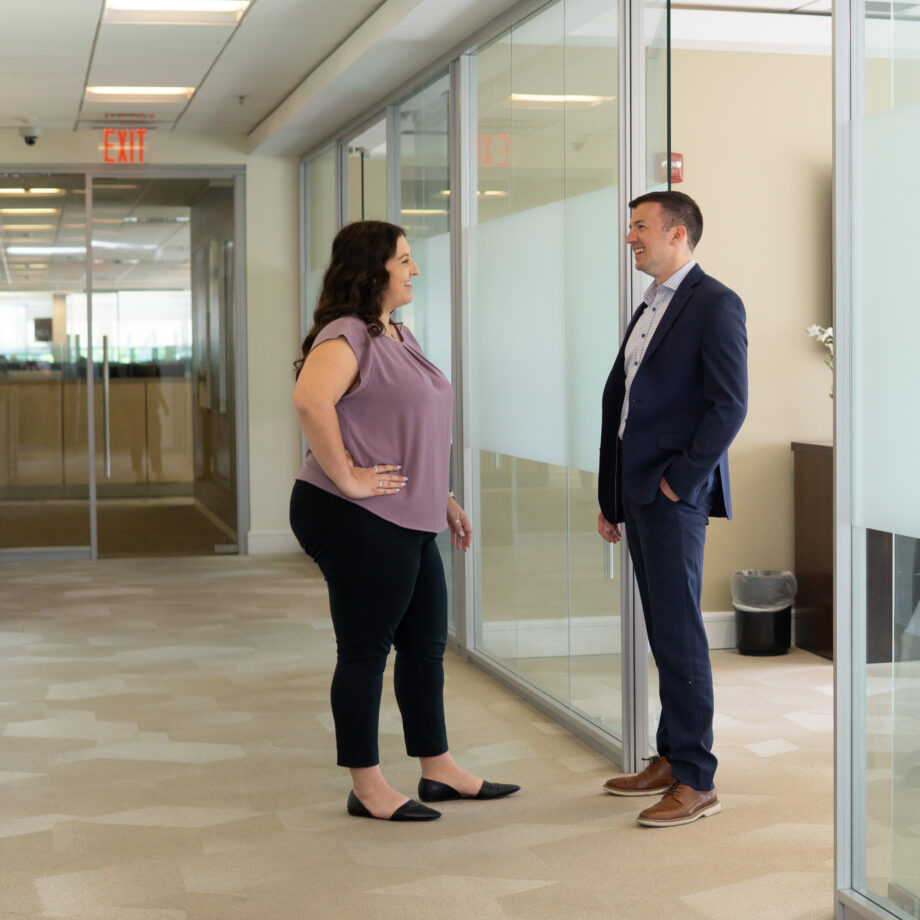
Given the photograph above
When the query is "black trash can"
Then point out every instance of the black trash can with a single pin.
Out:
(762, 599)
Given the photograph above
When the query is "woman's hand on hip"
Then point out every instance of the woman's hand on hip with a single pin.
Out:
(461, 533)
(368, 482)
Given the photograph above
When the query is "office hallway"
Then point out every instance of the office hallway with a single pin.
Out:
(166, 753)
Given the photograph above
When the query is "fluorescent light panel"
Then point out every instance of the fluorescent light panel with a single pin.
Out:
(138, 93)
(46, 250)
(26, 192)
(28, 210)
(175, 12)
(555, 100)
(72, 250)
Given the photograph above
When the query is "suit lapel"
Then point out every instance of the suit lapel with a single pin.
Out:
(678, 302)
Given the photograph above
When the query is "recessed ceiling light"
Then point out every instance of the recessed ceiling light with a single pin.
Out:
(28, 227)
(556, 100)
(176, 12)
(46, 250)
(28, 210)
(138, 93)
(25, 192)
(420, 211)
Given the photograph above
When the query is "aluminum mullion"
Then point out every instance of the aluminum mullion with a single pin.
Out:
(843, 54)
(240, 345)
(394, 165)
(634, 643)
(90, 375)
(464, 591)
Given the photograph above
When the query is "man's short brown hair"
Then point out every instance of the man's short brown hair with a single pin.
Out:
(680, 210)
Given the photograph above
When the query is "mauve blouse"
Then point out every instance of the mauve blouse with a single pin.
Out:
(400, 413)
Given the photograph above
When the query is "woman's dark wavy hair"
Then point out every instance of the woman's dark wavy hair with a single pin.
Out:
(355, 279)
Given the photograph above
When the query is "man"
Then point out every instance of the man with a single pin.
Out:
(673, 403)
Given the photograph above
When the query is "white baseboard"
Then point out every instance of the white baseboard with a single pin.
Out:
(546, 638)
(272, 543)
(720, 628)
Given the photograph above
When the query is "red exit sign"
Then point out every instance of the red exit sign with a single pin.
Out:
(494, 150)
(123, 145)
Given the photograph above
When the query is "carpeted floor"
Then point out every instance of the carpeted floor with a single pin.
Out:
(166, 753)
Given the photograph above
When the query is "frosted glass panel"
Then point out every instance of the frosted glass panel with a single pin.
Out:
(886, 327)
(885, 509)
(544, 328)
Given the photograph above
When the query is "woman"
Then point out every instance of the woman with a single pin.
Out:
(367, 506)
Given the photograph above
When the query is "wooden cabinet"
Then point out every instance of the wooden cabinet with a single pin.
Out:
(814, 547)
(43, 434)
(814, 562)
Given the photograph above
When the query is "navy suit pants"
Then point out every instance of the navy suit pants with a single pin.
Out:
(666, 541)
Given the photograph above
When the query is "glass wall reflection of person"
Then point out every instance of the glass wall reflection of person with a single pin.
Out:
(367, 506)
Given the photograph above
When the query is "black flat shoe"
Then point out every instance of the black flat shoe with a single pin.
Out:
(408, 811)
(430, 790)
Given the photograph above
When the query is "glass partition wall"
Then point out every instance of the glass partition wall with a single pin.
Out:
(544, 329)
(877, 391)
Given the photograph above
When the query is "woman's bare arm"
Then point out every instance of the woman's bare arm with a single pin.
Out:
(329, 372)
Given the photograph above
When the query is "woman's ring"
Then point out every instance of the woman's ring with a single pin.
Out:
(457, 521)
(379, 483)
(375, 468)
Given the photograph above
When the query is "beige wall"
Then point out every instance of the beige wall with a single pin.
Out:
(273, 242)
(272, 285)
(756, 134)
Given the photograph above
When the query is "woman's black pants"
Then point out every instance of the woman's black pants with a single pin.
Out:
(386, 589)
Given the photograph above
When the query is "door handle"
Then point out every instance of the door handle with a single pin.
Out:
(106, 425)
(610, 571)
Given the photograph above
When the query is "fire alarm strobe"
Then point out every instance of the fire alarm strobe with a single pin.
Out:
(677, 167)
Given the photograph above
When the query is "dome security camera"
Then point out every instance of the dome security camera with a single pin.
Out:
(30, 134)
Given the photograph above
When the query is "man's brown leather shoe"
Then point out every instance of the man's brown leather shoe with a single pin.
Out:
(653, 780)
(681, 805)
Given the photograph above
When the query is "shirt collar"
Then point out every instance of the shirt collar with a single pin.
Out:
(671, 284)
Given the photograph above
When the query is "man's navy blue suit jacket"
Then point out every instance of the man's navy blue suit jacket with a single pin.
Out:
(686, 403)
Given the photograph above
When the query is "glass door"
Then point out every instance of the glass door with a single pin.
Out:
(162, 338)
(44, 385)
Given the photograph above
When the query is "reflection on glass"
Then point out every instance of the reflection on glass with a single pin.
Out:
(424, 201)
(544, 329)
(367, 174)
(43, 350)
(892, 742)
(321, 224)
